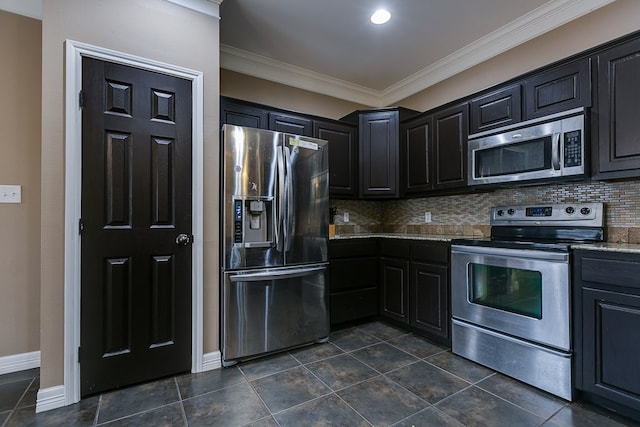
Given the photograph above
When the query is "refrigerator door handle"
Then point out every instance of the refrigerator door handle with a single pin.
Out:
(279, 221)
(276, 275)
(289, 217)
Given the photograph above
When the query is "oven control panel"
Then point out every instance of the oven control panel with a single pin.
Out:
(574, 214)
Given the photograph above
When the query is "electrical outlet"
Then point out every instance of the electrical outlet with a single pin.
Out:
(427, 217)
(345, 217)
(10, 194)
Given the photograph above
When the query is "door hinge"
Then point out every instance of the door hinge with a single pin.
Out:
(81, 99)
(80, 226)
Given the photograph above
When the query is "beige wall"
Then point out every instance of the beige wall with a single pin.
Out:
(20, 50)
(153, 29)
(612, 21)
(241, 86)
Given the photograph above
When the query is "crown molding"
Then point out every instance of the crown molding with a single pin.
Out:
(248, 63)
(33, 8)
(207, 7)
(547, 17)
(537, 22)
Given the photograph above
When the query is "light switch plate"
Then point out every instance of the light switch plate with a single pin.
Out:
(10, 194)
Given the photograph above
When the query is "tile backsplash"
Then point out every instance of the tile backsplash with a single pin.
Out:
(468, 214)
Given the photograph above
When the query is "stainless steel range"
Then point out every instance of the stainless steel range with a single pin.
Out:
(511, 298)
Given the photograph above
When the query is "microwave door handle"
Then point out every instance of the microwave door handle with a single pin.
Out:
(555, 151)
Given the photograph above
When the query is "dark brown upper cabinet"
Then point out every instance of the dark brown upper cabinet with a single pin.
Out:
(416, 151)
(379, 154)
(298, 125)
(234, 112)
(450, 133)
(379, 151)
(558, 89)
(618, 142)
(500, 108)
(343, 157)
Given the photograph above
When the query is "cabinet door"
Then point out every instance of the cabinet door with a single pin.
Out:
(343, 157)
(416, 156)
(450, 147)
(619, 112)
(242, 115)
(500, 108)
(379, 154)
(429, 299)
(297, 125)
(611, 345)
(558, 89)
(394, 279)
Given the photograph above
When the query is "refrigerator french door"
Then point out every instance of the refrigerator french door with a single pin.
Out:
(274, 242)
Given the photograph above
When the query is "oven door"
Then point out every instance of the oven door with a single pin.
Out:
(522, 293)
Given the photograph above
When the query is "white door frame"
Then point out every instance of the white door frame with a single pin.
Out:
(75, 51)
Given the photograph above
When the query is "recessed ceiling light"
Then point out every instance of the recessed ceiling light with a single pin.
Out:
(380, 16)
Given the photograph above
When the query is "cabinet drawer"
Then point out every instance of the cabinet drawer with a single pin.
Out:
(353, 273)
(352, 248)
(353, 305)
(611, 272)
(394, 248)
(430, 252)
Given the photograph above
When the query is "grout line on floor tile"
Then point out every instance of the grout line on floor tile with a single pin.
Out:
(354, 409)
(184, 413)
(130, 416)
(514, 404)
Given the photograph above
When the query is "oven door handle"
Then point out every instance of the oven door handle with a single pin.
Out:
(504, 252)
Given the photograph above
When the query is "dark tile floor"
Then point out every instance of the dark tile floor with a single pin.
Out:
(369, 375)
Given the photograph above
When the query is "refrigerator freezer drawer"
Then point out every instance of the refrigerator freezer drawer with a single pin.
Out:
(273, 309)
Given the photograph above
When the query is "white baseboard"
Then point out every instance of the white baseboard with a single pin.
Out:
(50, 398)
(19, 362)
(211, 361)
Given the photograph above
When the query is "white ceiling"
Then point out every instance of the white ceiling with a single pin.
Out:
(330, 46)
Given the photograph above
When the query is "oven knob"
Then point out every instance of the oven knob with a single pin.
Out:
(570, 210)
(500, 212)
(585, 211)
(511, 211)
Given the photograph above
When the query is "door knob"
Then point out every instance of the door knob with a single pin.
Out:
(184, 239)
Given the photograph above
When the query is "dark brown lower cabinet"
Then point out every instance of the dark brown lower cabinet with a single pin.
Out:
(429, 290)
(394, 279)
(607, 332)
(353, 280)
(414, 286)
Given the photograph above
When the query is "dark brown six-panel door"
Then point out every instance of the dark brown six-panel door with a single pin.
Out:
(136, 201)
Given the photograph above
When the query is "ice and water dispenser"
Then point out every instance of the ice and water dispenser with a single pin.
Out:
(253, 222)
(254, 241)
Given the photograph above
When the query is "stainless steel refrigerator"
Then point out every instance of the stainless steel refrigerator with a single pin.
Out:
(275, 195)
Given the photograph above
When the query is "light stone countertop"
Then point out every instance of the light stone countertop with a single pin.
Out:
(603, 247)
(630, 248)
(432, 237)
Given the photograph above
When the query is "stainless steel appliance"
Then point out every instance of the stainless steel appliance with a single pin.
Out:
(551, 147)
(275, 212)
(510, 295)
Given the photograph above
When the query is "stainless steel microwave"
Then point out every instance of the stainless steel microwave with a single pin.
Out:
(550, 147)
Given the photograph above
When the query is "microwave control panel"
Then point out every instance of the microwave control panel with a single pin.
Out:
(573, 148)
